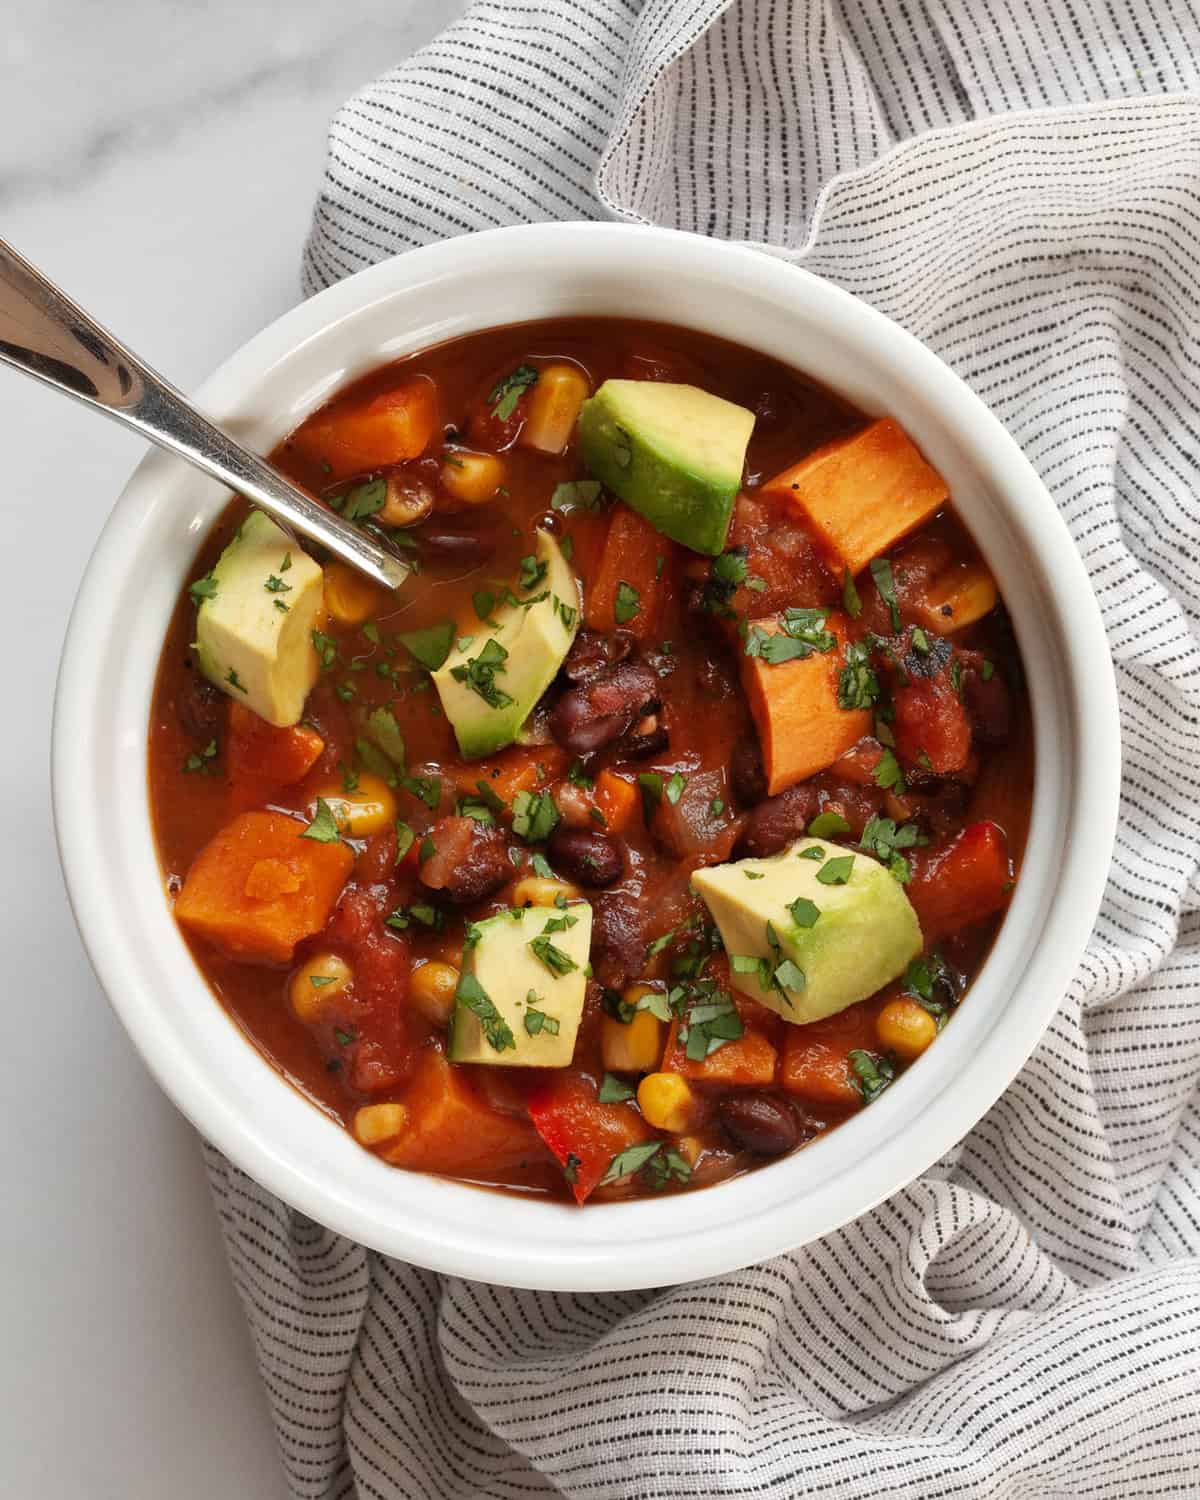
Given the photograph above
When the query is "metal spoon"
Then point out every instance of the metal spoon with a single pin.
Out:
(45, 334)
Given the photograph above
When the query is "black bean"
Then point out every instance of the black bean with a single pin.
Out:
(469, 862)
(595, 713)
(762, 1123)
(746, 774)
(200, 707)
(775, 823)
(649, 737)
(454, 547)
(592, 652)
(588, 858)
(618, 939)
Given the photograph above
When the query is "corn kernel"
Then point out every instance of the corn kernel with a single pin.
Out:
(553, 408)
(350, 599)
(379, 1122)
(633, 1048)
(317, 983)
(472, 477)
(665, 1101)
(431, 990)
(370, 808)
(905, 1028)
(539, 890)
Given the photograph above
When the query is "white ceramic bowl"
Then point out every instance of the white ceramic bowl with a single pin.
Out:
(99, 760)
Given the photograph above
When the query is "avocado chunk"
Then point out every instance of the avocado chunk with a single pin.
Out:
(520, 997)
(491, 681)
(674, 453)
(254, 626)
(811, 930)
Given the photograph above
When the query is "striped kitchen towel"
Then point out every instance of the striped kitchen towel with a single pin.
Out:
(1018, 183)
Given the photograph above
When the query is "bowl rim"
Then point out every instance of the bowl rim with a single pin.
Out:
(643, 1243)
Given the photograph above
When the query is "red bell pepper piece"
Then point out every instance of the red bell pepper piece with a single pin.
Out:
(582, 1133)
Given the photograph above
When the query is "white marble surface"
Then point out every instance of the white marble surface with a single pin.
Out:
(159, 159)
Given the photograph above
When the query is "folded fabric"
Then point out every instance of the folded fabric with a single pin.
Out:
(1016, 182)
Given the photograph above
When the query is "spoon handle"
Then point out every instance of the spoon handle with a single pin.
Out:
(47, 335)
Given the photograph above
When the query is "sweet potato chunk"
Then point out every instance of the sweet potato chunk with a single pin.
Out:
(261, 757)
(748, 1062)
(956, 598)
(258, 887)
(631, 557)
(395, 426)
(450, 1129)
(816, 1057)
(863, 493)
(795, 706)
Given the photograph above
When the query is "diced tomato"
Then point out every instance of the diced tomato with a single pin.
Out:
(961, 882)
(931, 726)
(582, 1133)
(260, 758)
(382, 1052)
(816, 1057)
(858, 764)
(782, 564)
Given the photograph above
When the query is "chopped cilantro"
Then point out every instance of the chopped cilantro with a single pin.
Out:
(673, 790)
(537, 1021)
(381, 727)
(631, 1160)
(203, 588)
(508, 391)
(666, 1166)
(201, 760)
(535, 816)
(405, 838)
(480, 671)
(888, 774)
(326, 648)
(884, 839)
(920, 642)
(484, 601)
(614, 1090)
(881, 572)
(858, 686)
(365, 500)
(627, 603)
(235, 681)
(872, 1074)
(276, 585)
(426, 789)
(323, 829)
(836, 871)
(814, 851)
(804, 912)
(987, 671)
(850, 595)
(430, 646)
(577, 776)
(319, 981)
(571, 1167)
(828, 825)
(477, 1000)
(531, 574)
(558, 962)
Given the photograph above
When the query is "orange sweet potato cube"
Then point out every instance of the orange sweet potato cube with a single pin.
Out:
(258, 887)
(618, 799)
(795, 707)
(748, 1062)
(450, 1129)
(863, 493)
(816, 1057)
(392, 427)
